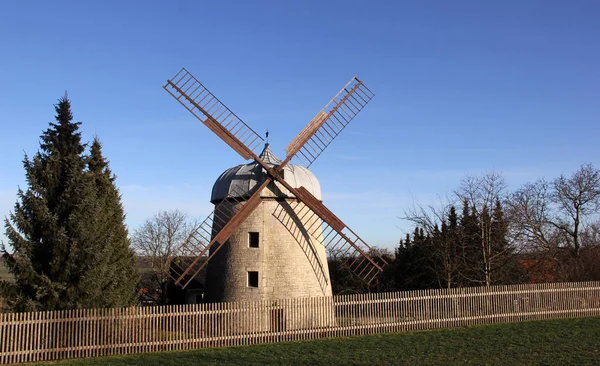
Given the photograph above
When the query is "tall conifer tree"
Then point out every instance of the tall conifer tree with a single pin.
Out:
(56, 247)
(113, 277)
(470, 236)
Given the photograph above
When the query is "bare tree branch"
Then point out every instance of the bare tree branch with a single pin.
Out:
(157, 241)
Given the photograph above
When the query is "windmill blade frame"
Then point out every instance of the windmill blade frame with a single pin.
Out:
(328, 123)
(195, 97)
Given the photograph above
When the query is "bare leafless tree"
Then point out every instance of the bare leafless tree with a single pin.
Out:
(547, 216)
(576, 198)
(427, 217)
(590, 237)
(157, 241)
(529, 211)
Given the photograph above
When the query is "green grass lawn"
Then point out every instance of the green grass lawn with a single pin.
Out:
(550, 342)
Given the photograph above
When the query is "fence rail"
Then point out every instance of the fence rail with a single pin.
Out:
(39, 336)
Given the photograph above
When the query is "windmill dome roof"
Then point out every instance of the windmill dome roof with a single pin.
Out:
(242, 178)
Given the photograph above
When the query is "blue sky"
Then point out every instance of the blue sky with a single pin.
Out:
(463, 87)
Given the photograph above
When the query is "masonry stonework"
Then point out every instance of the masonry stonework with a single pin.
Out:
(291, 263)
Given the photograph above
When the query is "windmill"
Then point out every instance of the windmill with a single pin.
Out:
(294, 205)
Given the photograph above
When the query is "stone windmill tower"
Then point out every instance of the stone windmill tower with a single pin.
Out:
(269, 235)
(270, 255)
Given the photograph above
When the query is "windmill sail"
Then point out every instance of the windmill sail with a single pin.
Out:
(197, 99)
(329, 122)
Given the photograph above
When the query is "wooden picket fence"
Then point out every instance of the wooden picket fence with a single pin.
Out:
(53, 335)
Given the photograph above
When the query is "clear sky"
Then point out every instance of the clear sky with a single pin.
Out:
(463, 87)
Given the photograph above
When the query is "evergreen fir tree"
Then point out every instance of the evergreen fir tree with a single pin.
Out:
(56, 245)
(44, 232)
(455, 247)
(413, 263)
(452, 218)
(112, 277)
(499, 228)
(470, 237)
(506, 268)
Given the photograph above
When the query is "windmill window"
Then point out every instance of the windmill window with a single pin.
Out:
(253, 240)
(252, 279)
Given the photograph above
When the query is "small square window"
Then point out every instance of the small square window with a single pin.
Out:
(252, 279)
(253, 240)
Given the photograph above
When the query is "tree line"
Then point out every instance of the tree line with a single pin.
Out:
(70, 247)
(484, 234)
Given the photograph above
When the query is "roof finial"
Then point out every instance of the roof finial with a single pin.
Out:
(267, 134)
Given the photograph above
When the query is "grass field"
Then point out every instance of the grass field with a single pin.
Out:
(550, 342)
